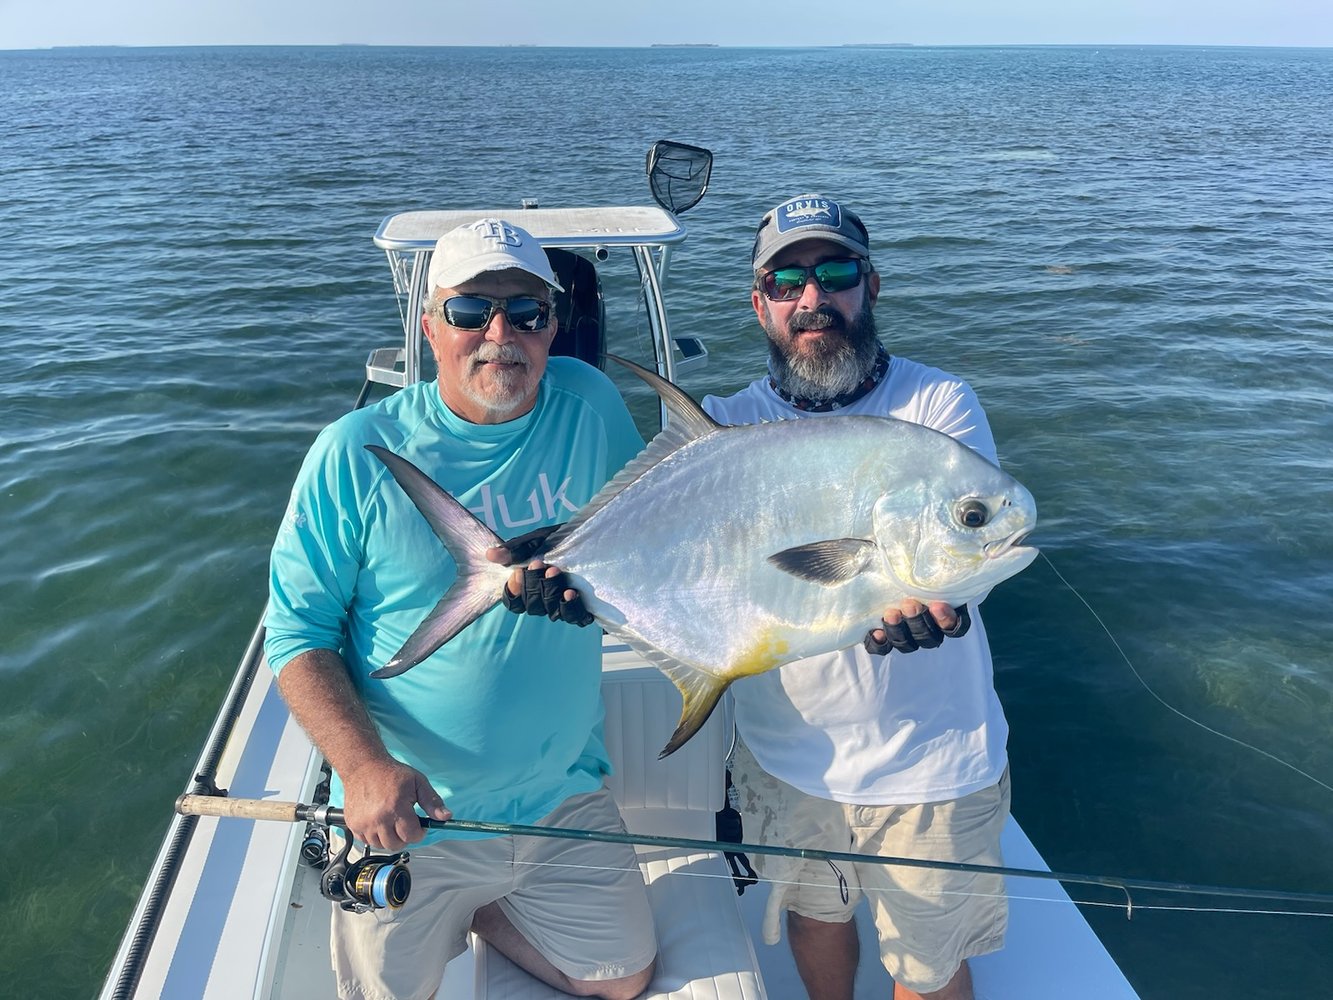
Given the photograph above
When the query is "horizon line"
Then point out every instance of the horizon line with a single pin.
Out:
(665, 45)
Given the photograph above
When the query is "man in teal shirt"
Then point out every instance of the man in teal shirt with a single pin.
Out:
(503, 723)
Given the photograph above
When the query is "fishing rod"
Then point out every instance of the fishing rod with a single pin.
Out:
(385, 869)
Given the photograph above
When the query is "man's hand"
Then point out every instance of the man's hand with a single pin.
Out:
(537, 589)
(914, 626)
(378, 800)
(378, 791)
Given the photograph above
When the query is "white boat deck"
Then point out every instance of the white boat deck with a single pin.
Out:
(247, 920)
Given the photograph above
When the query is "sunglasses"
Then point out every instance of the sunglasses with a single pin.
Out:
(787, 283)
(472, 312)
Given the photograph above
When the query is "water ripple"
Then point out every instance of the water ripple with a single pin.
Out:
(1123, 249)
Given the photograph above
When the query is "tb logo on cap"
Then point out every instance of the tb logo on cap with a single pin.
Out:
(498, 232)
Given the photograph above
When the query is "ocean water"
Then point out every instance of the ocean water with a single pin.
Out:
(1127, 251)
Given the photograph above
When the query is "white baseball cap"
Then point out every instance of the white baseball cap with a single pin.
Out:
(486, 245)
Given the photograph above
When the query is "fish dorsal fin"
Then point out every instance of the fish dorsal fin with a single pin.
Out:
(829, 563)
(689, 414)
(691, 424)
(666, 443)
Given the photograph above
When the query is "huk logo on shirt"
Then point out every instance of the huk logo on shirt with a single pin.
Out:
(542, 504)
(501, 514)
(294, 521)
(497, 232)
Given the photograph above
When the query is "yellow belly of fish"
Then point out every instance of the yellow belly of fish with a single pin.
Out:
(768, 650)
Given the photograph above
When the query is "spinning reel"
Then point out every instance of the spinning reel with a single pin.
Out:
(372, 882)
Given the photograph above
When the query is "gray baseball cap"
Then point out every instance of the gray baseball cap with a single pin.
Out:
(808, 217)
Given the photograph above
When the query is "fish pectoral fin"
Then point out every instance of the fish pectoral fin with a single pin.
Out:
(829, 563)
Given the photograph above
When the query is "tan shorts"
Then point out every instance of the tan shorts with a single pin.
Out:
(582, 904)
(928, 920)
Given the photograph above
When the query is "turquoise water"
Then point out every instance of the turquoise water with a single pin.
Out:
(1127, 251)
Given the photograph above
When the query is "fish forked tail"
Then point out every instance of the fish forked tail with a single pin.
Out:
(477, 587)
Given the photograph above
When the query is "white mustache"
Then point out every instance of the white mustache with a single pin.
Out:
(509, 354)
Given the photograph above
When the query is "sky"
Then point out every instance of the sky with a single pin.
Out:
(44, 23)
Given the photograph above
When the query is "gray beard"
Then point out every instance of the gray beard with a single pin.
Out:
(839, 367)
(508, 390)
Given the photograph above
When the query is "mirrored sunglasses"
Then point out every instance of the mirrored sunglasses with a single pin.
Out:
(787, 283)
(472, 312)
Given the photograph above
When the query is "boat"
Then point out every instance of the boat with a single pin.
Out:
(233, 906)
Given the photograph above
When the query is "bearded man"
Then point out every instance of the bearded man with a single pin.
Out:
(869, 750)
(502, 724)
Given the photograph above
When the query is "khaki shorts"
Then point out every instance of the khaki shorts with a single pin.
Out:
(928, 920)
(582, 904)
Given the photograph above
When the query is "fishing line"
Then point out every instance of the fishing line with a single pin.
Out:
(324, 815)
(1116, 883)
(1129, 907)
(1163, 702)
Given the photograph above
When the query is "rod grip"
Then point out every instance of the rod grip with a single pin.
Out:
(219, 805)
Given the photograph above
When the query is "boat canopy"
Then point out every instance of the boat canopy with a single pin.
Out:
(646, 232)
(643, 225)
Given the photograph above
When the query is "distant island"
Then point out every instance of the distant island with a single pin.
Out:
(683, 45)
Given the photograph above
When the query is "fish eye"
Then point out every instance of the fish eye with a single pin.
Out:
(972, 514)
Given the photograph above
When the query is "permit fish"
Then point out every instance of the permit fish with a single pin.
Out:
(721, 552)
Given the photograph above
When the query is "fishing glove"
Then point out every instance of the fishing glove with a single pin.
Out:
(542, 595)
(918, 632)
(523, 547)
